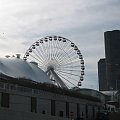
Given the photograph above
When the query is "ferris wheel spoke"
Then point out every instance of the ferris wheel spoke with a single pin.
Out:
(59, 56)
(52, 50)
(37, 59)
(42, 49)
(55, 51)
(67, 80)
(37, 53)
(39, 50)
(38, 56)
(68, 51)
(49, 50)
(46, 48)
(59, 50)
(55, 46)
(71, 62)
(39, 63)
(75, 63)
(68, 60)
(46, 58)
(77, 66)
(51, 55)
(62, 47)
(67, 73)
(62, 56)
(58, 47)
(69, 70)
(67, 57)
(71, 78)
(66, 63)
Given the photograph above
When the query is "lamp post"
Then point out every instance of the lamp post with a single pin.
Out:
(112, 93)
(116, 84)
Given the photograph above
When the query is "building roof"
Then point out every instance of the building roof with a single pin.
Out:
(91, 91)
(109, 93)
(18, 68)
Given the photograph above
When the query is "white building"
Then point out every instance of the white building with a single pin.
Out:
(24, 95)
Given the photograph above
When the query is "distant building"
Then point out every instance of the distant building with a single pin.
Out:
(97, 94)
(102, 75)
(112, 53)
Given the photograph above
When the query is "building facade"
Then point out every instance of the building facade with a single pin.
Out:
(102, 75)
(112, 54)
(23, 103)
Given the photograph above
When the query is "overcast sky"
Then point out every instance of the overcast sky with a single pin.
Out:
(22, 22)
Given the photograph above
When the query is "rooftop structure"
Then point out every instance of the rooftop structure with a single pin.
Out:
(18, 68)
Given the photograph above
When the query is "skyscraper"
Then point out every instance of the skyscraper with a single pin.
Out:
(102, 75)
(112, 54)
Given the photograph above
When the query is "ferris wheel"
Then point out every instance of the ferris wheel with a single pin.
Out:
(59, 58)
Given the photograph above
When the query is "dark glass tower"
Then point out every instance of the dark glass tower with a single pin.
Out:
(112, 53)
(102, 75)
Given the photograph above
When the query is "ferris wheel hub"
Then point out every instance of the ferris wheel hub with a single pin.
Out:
(50, 68)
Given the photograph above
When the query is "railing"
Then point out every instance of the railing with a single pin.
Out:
(14, 87)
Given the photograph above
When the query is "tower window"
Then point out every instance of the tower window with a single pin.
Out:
(33, 104)
(61, 113)
(5, 100)
(67, 109)
(53, 107)
(43, 112)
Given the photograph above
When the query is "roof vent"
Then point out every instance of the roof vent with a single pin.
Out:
(18, 56)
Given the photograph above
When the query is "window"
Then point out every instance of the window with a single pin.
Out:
(78, 110)
(86, 111)
(99, 109)
(82, 113)
(43, 112)
(93, 109)
(33, 104)
(53, 107)
(61, 114)
(67, 109)
(112, 109)
(5, 100)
